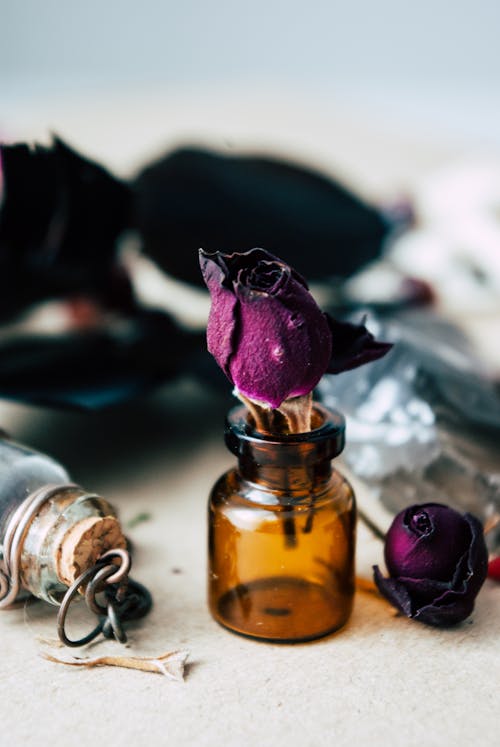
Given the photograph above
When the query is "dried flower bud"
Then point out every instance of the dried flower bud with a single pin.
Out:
(267, 333)
(193, 197)
(60, 218)
(437, 561)
(265, 330)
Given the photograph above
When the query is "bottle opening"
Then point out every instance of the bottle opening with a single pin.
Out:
(328, 430)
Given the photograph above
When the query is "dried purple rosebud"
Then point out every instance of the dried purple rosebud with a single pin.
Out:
(437, 561)
(265, 330)
(267, 333)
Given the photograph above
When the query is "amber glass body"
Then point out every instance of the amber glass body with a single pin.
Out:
(282, 534)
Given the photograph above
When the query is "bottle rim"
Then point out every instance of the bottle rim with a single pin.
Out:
(331, 430)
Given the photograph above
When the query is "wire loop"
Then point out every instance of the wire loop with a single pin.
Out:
(125, 599)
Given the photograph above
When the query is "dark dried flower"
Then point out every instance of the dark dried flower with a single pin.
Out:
(353, 346)
(437, 561)
(267, 333)
(224, 201)
(60, 217)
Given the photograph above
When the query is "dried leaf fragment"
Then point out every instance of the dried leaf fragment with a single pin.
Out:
(170, 664)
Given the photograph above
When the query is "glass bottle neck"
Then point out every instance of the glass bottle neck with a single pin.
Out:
(296, 463)
(300, 476)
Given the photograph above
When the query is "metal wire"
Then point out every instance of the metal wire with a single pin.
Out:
(125, 599)
(63, 611)
(17, 528)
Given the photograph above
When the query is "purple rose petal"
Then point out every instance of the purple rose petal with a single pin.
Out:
(394, 591)
(222, 319)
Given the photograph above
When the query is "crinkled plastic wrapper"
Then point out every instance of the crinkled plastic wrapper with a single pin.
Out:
(423, 423)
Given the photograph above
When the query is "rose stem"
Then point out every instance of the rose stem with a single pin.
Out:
(293, 416)
(289, 526)
(374, 529)
(261, 415)
(276, 422)
(298, 412)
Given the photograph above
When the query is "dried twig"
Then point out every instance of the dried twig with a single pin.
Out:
(170, 664)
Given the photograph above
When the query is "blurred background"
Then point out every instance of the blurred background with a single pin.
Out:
(397, 103)
(431, 68)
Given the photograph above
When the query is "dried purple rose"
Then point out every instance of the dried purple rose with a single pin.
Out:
(267, 333)
(437, 561)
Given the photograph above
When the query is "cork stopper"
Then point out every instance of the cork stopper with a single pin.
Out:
(84, 543)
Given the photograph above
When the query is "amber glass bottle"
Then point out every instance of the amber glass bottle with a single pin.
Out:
(282, 533)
